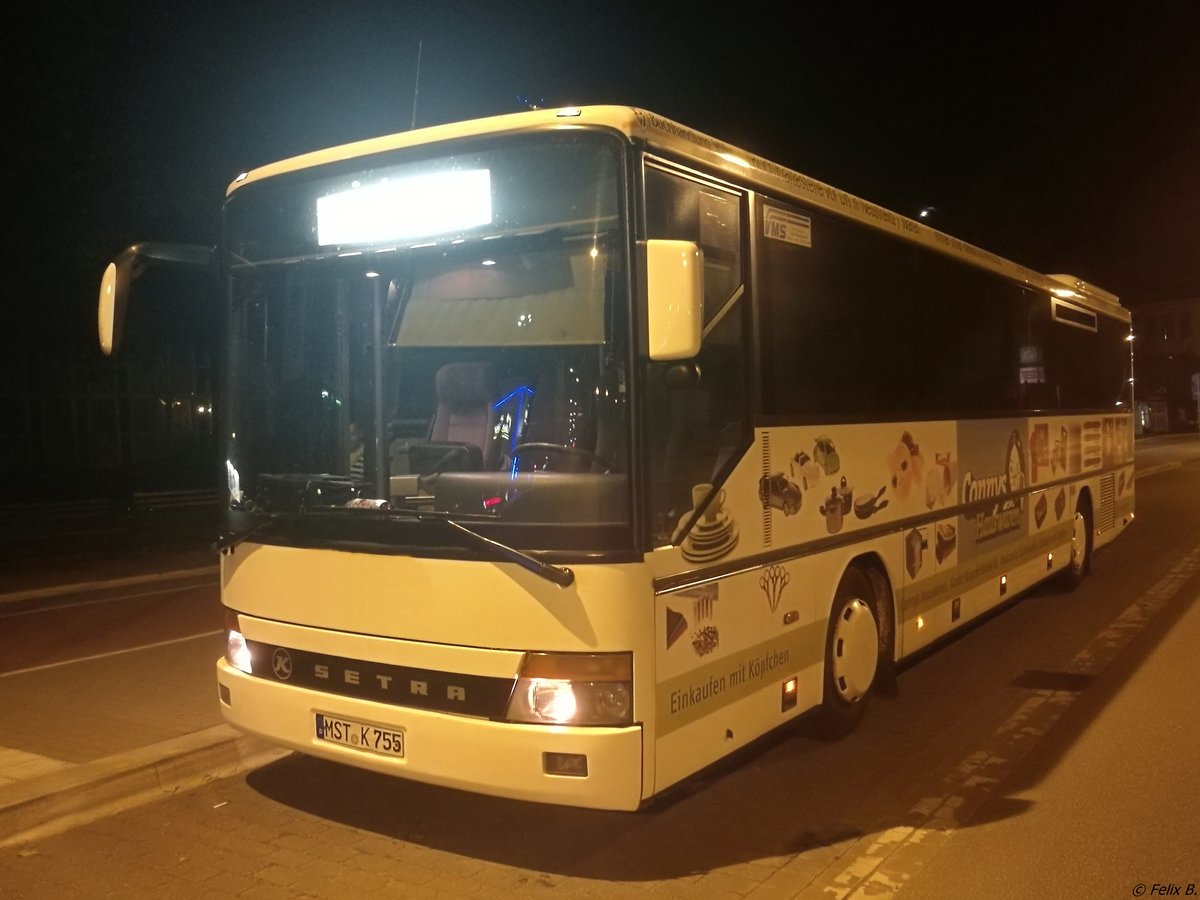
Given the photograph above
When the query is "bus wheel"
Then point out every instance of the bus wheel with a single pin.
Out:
(852, 660)
(1080, 561)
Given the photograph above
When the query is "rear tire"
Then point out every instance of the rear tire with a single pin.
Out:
(1079, 564)
(853, 662)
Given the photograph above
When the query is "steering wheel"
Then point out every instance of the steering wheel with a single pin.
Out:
(566, 450)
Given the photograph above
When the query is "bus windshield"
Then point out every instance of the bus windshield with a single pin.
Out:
(434, 337)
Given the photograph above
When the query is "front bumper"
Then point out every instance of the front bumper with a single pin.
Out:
(496, 758)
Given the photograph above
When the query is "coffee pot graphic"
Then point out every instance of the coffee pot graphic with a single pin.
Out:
(833, 510)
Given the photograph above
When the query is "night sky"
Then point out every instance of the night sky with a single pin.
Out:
(1066, 138)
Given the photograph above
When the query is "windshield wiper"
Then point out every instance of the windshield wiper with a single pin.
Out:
(264, 525)
(395, 512)
(309, 479)
(264, 522)
(560, 575)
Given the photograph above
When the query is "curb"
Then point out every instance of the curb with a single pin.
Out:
(41, 807)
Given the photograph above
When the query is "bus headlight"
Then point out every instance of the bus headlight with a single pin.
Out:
(573, 689)
(550, 701)
(236, 649)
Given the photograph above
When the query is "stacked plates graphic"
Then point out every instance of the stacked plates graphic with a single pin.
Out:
(710, 540)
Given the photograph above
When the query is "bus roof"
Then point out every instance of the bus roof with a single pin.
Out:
(742, 166)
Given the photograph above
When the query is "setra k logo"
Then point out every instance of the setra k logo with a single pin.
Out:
(281, 664)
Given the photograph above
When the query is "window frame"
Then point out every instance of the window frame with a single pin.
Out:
(738, 299)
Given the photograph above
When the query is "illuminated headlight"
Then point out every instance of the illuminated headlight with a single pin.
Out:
(236, 649)
(573, 689)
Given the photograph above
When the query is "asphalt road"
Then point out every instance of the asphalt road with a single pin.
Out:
(1108, 803)
(73, 626)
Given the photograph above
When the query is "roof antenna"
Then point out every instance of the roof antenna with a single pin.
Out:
(416, 86)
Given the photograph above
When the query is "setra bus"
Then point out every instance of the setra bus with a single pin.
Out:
(572, 450)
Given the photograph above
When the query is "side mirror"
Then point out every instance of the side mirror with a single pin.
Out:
(114, 293)
(124, 270)
(675, 298)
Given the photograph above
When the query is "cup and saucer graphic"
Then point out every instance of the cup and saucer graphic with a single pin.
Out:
(715, 532)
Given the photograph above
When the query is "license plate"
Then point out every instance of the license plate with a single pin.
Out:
(360, 735)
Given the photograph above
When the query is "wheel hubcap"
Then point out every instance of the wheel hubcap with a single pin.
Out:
(1078, 541)
(855, 650)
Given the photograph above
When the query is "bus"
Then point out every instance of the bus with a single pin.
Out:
(568, 452)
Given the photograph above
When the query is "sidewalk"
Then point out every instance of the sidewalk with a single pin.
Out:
(98, 734)
(32, 578)
(104, 550)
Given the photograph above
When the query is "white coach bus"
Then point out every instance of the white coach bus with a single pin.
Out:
(570, 451)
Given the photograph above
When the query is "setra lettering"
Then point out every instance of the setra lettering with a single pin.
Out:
(416, 688)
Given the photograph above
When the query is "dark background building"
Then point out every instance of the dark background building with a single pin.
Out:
(1167, 360)
(1066, 139)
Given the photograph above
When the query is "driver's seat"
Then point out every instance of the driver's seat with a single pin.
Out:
(464, 417)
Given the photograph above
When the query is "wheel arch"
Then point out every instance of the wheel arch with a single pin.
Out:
(1085, 497)
(872, 564)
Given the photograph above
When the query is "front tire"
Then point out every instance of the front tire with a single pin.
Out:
(853, 662)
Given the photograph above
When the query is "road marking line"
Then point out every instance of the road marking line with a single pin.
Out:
(60, 606)
(867, 869)
(1154, 470)
(68, 662)
(58, 589)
